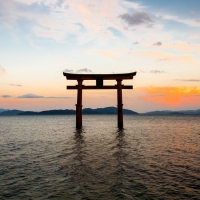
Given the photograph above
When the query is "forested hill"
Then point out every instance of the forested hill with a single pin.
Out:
(86, 111)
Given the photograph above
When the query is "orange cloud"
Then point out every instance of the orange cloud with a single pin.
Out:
(172, 90)
(173, 96)
(174, 100)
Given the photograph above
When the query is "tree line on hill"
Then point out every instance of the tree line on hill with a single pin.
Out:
(97, 111)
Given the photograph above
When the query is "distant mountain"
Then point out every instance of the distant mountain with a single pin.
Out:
(86, 111)
(176, 113)
(170, 112)
(28, 113)
(157, 112)
(2, 110)
(191, 112)
(107, 110)
(10, 112)
(90, 111)
(57, 112)
(97, 111)
(50, 112)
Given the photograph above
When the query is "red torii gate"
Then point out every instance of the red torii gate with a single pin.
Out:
(99, 85)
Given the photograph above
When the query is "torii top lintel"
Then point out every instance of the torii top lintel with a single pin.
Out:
(71, 76)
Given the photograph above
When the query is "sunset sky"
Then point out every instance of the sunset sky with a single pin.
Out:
(39, 39)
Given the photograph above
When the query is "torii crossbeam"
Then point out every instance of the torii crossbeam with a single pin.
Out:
(99, 85)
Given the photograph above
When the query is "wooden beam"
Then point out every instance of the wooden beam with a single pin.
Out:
(105, 87)
(70, 76)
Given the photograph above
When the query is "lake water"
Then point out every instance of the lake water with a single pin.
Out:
(154, 157)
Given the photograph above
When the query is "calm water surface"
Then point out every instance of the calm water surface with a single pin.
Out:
(154, 157)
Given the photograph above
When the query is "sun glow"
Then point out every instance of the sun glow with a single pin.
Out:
(172, 96)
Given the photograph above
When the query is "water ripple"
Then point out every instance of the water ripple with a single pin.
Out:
(154, 157)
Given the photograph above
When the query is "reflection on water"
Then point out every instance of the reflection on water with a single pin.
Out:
(154, 157)
(99, 177)
(120, 156)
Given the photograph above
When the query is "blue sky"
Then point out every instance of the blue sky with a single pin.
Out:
(39, 39)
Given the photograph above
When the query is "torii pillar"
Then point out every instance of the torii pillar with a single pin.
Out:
(119, 103)
(99, 85)
(79, 105)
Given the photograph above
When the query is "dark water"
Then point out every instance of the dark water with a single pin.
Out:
(154, 157)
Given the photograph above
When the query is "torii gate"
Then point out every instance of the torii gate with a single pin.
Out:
(99, 85)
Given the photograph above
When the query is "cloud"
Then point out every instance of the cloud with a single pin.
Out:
(172, 96)
(30, 96)
(182, 59)
(186, 21)
(136, 18)
(162, 59)
(188, 80)
(173, 100)
(68, 70)
(152, 90)
(58, 97)
(86, 70)
(16, 85)
(135, 42)
(128, 4)
(158, 44)
(33, 96)
(63, 19)
(6, 96)
(157, 71)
